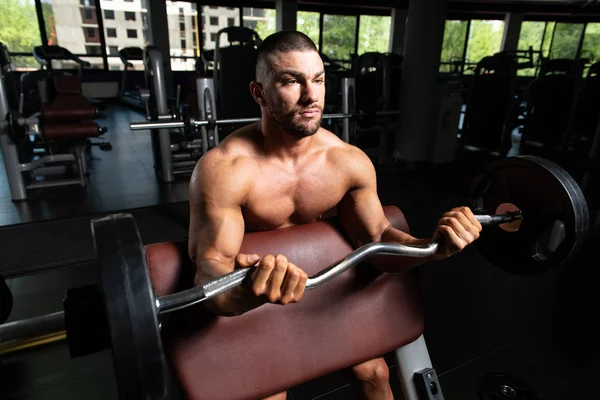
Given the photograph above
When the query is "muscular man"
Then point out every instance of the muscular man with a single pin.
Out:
(287, 170)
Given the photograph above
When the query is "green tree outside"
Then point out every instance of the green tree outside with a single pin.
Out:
(19, 30)
(339, 33)
(531, 35)
(374, 34)
(591, 43)
(265, 27)
(550, 26)
(485, 39)
(453, 44)
(308, 23)
(566, 40)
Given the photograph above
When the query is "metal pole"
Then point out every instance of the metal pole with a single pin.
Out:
(32, 327)
(160, 93)
(9, 150)
(348, 106)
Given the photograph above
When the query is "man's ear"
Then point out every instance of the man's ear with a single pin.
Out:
(256, 89)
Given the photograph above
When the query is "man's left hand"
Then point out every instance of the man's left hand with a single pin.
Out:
(459, 228)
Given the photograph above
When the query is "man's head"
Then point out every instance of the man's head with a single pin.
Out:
(290, 82)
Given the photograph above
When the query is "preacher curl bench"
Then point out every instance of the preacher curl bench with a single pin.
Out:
(359, 315)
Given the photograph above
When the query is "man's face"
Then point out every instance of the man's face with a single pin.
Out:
(295, 91)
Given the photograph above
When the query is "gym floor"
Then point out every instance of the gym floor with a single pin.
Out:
(479, 319)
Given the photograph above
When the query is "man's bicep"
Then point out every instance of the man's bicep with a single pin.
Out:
(216, 235)
(216, 221)
(360, 210)
(362, 216)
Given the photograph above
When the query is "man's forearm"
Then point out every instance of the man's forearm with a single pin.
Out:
(235, 301)
(397, 263)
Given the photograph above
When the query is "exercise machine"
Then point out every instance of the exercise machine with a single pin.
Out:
(130, 94)
(48, 147)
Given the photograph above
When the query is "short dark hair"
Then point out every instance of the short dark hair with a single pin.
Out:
(280, 42)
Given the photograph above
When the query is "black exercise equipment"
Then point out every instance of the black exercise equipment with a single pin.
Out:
(122, 312)
(491, 103)
(130, 92)
(234, 69)
(587, 110)
(555, 214)
(550, 102)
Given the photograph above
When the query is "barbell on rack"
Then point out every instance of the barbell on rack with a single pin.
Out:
(188, 121)
(122, 312)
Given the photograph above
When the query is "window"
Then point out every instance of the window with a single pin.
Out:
(591, 42)
(194, 42)
(111, 32)
(193, 22)
(374, 34)
(109, 14)
(308, 23)
(230, 21)
(20, 34)
(339, 34)
(113, 51)
(565, 40)
(88, 15)
(453, 46)
(531, 35)
(180, 10)
(93, 50)
(485, 39)
(87, 3)
(129, 16)
(262, 20)
(132, 33)
(182, 26)
(211, 22)
(183, 46)
(90, 33)
(128, 1)
(213, 37)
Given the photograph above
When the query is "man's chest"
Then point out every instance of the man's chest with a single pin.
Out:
(284, 198)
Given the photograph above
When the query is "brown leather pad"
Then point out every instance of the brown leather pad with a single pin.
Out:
(357, 316)
(73, 131)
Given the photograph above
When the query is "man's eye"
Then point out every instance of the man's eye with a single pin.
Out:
(291, 82)
(320, 80)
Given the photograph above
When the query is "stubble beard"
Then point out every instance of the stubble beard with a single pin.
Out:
(295, 128)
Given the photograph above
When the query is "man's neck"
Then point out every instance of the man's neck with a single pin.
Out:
(280, 144)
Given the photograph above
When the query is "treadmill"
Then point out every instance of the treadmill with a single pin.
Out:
(44, 55)
(131, 95)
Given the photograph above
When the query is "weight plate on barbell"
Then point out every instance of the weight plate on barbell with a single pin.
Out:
(555, 214)
(130, 307)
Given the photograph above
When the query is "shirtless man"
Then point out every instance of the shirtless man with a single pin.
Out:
(286, 170)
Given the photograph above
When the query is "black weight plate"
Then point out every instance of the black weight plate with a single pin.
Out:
(498, 386)
(130, 306)
(545, 193)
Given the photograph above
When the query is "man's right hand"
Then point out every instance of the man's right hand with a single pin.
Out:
(275, 279)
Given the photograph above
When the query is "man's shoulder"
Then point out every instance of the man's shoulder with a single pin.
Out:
(340, 152)
(231, 163)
